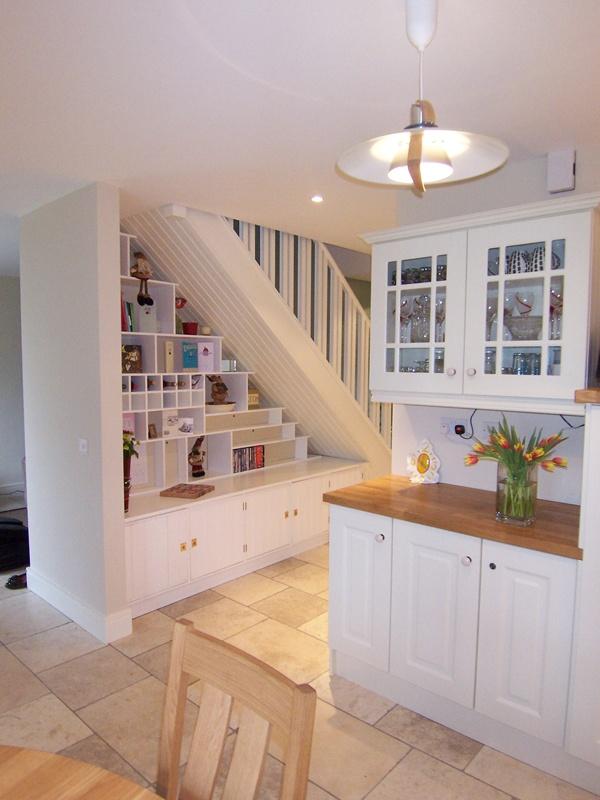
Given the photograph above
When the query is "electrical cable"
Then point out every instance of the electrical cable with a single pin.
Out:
(472, 434)
(575, 427)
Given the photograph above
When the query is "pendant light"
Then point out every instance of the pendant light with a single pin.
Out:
(422, 153)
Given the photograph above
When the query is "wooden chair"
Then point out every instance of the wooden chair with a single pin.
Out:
(269, 705)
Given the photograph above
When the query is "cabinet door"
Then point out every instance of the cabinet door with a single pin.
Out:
(418, 302)
(435, 596)
(359, 585)
(525, 630)
(218, 528)
(268, 518)
(178, 547)
(306, 509)
(336, 480)
(147, 557)
(527, 311)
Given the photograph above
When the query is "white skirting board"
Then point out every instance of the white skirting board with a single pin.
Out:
(105, 627)
(469, 722)
(139, 607)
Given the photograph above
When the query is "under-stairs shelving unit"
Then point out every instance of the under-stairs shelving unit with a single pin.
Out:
(165, 404)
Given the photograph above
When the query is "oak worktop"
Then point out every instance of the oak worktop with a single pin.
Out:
(464, 510)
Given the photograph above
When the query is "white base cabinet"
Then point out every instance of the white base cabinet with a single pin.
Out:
(359, 585)
(435, 597)
(449, 612)
(525, 630)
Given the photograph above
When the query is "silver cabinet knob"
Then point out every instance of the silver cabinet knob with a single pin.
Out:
(451, 372)
(379, 537)
(471, 371)
(466, 560)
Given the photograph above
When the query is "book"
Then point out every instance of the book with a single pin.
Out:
(247, 458)
(189, 355)
(147, 320)
(131, 358)
(130, 311)
(187, 491)
(123, 316)
(206, 357)
(171, 423)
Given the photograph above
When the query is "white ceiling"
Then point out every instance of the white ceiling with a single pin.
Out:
(242, 107)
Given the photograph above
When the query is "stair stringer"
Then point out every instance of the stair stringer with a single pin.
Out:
(223, 285)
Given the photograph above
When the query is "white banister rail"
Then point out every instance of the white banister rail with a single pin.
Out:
(314, 288)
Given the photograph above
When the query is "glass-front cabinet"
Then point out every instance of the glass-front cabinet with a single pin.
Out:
(420, 323)
(497, 309)
(527, 307)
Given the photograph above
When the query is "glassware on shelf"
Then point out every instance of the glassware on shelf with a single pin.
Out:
(491, 312)
(524, 301)
(406, 315)
(489, 363)
(420, 318)
(440, 318)
(556, 309)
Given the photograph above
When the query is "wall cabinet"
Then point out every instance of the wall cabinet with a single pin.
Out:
(359, 586)
(435, 598)
(464, 614)
(498, 309)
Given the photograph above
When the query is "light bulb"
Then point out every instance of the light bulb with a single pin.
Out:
(435, 164)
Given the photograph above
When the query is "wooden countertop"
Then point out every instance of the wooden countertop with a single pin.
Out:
(587, 396)
(464, 510)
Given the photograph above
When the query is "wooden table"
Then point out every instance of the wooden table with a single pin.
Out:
(33, 775)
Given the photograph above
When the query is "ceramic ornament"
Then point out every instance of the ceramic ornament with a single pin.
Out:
(516, 263)
(537, 259)
(423, 466)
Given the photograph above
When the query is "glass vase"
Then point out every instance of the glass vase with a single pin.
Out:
(516, 494)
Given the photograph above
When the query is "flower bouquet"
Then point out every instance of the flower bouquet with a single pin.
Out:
(518, 460)
(129, 445)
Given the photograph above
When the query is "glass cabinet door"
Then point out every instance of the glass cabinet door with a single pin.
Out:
(417, 314)
(527, 307)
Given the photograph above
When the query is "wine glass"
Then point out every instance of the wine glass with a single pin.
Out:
(440, 318)
(421, 313)
(556, 308)
(524, 301)
(406, 314)
(491, 312)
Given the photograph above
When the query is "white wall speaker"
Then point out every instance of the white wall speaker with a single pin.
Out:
(560, 171)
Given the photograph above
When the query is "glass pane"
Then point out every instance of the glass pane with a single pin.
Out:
(440, 315)
(414, 360)
(420, 324)
(554, 360)
(523, 309)
(556, 307)
(441, 268)
(391, 317)
(389, 359)
(525, 258)
(493, 261)
(491, 312)
(392, 268)
(438, 359)
(558, 254)
(416, 270)
(521, 360)
(489, 364)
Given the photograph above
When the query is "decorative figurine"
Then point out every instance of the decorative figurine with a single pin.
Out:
(218, 390)
(196, 458)
(143, 271)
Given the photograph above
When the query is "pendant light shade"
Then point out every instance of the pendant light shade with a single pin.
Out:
(422, 153)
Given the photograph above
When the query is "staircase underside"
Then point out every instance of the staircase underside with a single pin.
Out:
(226, 289)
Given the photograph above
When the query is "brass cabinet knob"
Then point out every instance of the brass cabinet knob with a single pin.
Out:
(194, 542)
(295, 512)
(286, 514)
(183, 547)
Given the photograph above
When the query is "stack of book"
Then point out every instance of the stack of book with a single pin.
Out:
(245, 458)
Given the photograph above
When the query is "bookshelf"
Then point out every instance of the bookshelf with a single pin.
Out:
(164, 399)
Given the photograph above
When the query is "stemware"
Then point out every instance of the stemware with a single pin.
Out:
(440, 318)
(556, 308)
(420, 320)
(491, 312)
(524, 302)
(406, 315)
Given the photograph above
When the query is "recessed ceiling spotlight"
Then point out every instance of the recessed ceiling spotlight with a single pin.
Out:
(317, 198)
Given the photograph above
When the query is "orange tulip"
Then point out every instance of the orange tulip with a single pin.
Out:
(471, 459)
(539, 452)
(518, 447)
(561, 462)
(528, 456)
(478, 447)
(549, 466)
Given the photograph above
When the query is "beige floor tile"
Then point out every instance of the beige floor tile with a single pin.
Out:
(352, 698)
(292, 607)
(308, 578)
(148, 632)
(182, 607)
(279, 568)
(20, 684)
(44, 724)
(156, 661)
(44, 650)
(424, 734)
(319, 627)
(5, 593)
(249, 588)
(224, 618)
(297, 655)
(314, 792)
(521, 780)
(94, 751)
(90, 677)
(318, 556)
(349, 757)
(129, 721)
(25, 615)
(421, 777)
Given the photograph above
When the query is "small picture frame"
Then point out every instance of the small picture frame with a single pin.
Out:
(189, 356)
(131, 358)
(423, 466)
(152, 432)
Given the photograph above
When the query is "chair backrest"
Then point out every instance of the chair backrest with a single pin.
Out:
(269, 703)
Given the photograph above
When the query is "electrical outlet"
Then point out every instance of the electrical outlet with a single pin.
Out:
(448, 425)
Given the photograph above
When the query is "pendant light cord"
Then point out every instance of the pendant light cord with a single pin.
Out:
(421, 54)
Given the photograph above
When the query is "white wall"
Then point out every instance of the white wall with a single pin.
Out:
(12, 445)
(412, 424)
(71, 369)
(515, 183)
